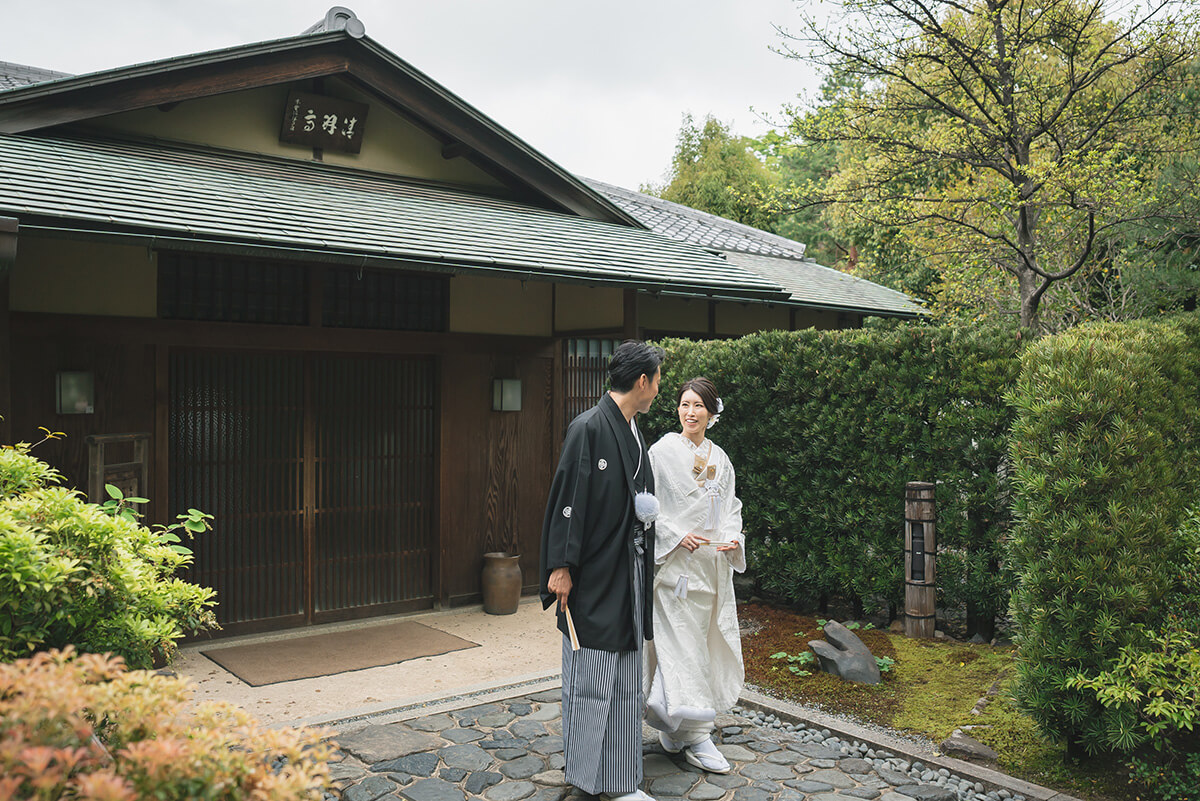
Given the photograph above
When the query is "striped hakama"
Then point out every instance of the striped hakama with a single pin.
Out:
(602, 709)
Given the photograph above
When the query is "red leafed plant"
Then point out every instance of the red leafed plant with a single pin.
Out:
(82, 726)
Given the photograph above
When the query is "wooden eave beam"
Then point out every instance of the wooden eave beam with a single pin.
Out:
(9, 228)
(454, 150)
(169, 86)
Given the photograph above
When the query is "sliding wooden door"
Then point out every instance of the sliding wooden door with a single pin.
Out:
(319, 470)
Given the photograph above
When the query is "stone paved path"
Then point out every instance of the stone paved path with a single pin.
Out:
(513, 750)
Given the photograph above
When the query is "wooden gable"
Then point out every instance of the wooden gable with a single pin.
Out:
(342, 64)
(250, 121)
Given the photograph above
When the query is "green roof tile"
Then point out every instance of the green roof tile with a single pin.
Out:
(100, 184)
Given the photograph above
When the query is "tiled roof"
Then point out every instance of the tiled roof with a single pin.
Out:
(346, 52)
(697, 227)
(773, 257)
(810, 284)
(254, 200)
(14, 75)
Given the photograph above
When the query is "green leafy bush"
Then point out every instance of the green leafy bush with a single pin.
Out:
(1153, 696)
(71, 574)
(84, 727)
(1106, 454)
(1153, 690)
(826, 427)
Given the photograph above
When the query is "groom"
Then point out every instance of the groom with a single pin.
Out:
(597, 561)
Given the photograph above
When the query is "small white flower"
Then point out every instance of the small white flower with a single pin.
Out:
(712, 421)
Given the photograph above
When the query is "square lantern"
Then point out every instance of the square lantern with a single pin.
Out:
(75, 393)
(506, 394)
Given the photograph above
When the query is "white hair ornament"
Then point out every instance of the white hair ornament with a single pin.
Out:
(712, 421)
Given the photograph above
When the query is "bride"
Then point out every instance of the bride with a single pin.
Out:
(694, 663)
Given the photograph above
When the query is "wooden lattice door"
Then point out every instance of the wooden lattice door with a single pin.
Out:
(319, 470)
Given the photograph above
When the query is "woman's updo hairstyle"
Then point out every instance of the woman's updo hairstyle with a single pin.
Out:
(706, 389)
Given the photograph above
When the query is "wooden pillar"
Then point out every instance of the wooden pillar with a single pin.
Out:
(8, 260)
(160, 494)
(920, 545)
(631, 328)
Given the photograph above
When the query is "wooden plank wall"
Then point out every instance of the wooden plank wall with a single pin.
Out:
(496, 467)
(124, 385)
(512, 455)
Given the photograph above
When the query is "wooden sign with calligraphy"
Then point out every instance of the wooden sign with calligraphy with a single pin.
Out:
(326, 122)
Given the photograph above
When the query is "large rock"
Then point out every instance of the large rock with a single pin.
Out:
(843, 654)
(926, 792)
(963, 746)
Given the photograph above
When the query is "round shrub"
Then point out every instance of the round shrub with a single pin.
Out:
(70, 574)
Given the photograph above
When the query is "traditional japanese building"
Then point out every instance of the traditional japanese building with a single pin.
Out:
(305, 288)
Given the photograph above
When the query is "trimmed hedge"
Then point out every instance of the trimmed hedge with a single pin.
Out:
(826, 427)
(1106, 453)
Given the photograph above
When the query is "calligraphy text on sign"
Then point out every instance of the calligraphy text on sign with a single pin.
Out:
(325, 122)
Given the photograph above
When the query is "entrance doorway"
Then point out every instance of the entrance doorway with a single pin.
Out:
(319, 470)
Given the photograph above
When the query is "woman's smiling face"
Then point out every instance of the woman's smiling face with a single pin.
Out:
(693, 414)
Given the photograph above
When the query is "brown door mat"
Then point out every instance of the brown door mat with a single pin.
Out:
(336, 652)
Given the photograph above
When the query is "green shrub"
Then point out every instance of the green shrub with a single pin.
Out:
(1105, 452)
(1153, 690)
(20, 472)
(1152, 695)
(70, 574)
(825, 429)
(83, 727)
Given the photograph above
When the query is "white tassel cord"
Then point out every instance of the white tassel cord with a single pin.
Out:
(646, 507)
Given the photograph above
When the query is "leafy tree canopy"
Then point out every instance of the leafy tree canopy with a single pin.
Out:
(715, 171)
(1027, 150)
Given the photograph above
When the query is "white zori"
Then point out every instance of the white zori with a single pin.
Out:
(693, 667)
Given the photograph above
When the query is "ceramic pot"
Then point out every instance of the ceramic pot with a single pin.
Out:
(501, 583)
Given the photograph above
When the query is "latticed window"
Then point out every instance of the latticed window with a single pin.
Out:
(231, 289)
(197, 286)
(385, 299)
(585, 373)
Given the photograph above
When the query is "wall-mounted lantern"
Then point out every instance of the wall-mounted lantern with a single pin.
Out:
(506, 394)
(75, 392)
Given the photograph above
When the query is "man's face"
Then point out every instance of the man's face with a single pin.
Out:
(647, 389)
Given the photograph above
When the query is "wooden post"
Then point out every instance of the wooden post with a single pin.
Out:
(631, 328)
(132, 477)
(920, 545)
(8, 259)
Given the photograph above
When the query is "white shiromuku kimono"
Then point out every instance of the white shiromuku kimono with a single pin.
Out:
(694, 664)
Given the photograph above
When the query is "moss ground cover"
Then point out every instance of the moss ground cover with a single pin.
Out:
(930, 690)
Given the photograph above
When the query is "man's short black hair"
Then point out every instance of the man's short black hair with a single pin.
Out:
(631, 361)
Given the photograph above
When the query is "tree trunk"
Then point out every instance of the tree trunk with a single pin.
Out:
(980, 621)
(1027, 216)
(1027, 282)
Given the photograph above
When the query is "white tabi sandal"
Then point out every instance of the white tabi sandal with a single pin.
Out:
(705, 756)
(636, 795)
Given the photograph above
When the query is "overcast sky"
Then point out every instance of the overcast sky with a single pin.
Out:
(599, 87)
